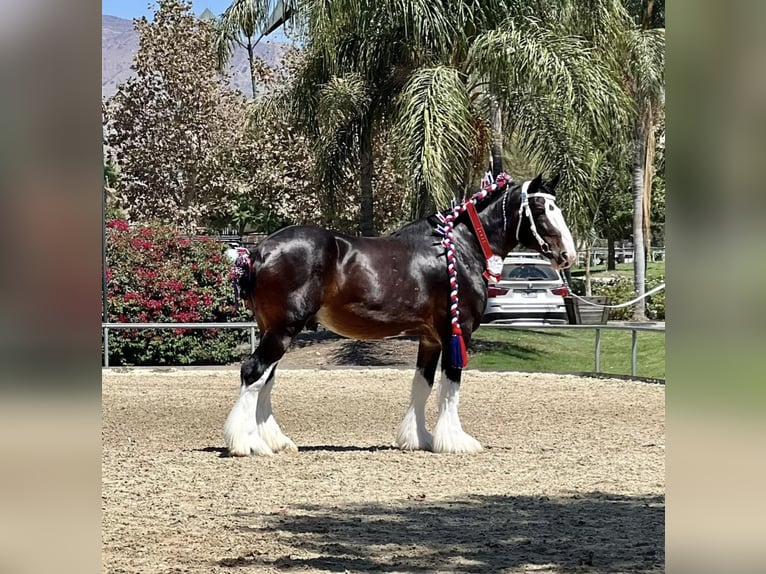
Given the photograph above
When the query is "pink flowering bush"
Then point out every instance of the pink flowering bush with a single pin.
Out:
(156, 275)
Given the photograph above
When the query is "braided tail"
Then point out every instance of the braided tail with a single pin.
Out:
(242, 278)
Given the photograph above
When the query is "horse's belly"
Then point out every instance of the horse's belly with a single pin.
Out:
(366, 323)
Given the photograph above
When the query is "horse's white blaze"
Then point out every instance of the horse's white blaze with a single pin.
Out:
(250, 427)
(412, 433)
(557, 220)
(449, 435)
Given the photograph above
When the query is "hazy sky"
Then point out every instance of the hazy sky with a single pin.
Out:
(137, 8)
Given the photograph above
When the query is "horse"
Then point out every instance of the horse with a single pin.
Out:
(405, 283)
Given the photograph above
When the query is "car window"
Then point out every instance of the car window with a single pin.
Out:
(528, 272)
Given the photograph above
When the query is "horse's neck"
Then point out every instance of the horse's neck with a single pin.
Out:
(499, 221)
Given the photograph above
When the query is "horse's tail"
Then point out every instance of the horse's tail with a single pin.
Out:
(243, 276)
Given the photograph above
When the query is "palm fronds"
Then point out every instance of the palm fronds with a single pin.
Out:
(435, 132)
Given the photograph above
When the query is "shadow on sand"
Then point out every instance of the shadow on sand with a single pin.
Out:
(594, 533)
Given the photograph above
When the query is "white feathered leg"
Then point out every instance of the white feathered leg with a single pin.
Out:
(412, 433)
(240, 432)
(449, 435)
(267, 427)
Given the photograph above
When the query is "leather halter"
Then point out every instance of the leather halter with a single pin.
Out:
(524, 209)
(494, 263)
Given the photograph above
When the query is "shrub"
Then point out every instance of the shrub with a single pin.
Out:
(156, 275)
(620, 289)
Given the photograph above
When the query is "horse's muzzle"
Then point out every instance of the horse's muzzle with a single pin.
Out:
(563, 261)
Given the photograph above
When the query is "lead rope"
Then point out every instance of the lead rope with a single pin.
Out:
(659, 287)
(458, 352)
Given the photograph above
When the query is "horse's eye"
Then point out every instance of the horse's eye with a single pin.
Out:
(551, 208)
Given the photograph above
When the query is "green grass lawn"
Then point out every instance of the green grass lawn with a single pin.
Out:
(564, 351)
(654, 269)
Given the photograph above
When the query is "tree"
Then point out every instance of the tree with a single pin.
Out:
(646, 80)
(430, 71)
(171, 125)
(243, 18)
(269, 166)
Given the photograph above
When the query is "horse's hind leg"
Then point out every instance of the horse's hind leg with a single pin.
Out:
(412, 433)
(250, 427)
(449, 435)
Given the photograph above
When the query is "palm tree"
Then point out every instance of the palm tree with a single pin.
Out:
(437, 74)
(239, 25)
(445, 78)
(646, 80)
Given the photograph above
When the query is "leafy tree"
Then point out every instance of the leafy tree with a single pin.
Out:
(270, 165)
(171, 126)
(432, 72)
(646, 82)
(238, 26)
(647, 13)
(112, 199)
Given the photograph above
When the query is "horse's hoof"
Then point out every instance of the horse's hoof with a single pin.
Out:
(289, 447)
(418, 442)
(238, 452)
(456, 442)
(251, 445)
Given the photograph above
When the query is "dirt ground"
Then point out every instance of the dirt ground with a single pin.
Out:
(571, 479)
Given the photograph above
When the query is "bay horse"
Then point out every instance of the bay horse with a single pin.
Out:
(378, 287)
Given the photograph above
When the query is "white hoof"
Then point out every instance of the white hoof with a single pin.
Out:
(248, 445)
(286, 446)
(410, 437)
(449, 440)
(274, 437)
(412, 433)
(449, 435)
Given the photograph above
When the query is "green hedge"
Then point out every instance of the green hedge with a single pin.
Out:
(156, 275)
(620, 289)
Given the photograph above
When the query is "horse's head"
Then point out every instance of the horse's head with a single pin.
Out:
(542, 226)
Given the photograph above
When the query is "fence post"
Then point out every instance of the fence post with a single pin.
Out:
(633, 351)
(598, 350)
(106, 346)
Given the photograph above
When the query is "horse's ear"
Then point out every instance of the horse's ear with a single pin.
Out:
(535, 184)
(554, 182)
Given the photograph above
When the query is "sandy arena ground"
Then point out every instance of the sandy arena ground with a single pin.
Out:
(572, 478)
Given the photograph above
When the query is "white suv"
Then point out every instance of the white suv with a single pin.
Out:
(529, 291)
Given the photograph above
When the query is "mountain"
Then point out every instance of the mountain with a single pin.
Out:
(119, 44)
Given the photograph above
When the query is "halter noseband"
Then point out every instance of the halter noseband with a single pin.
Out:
(525, 209)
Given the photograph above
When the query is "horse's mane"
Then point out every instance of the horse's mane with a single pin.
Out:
(432, 221)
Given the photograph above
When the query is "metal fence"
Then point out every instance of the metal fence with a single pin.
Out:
(634, 328)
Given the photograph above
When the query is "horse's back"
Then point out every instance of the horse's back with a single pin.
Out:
(362, 287)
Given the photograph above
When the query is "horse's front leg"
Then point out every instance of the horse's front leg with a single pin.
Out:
(449, 435)
(251, 427)
(412, 433)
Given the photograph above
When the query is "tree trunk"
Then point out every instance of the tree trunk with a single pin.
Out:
(648, 163)
(611, 262)
(366, 214)
(637, 189)
(646, 21)
(251, 60)
(497, 138)
(588, 291)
